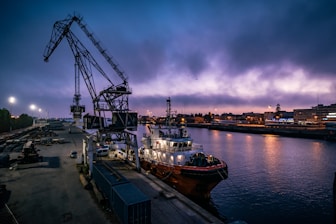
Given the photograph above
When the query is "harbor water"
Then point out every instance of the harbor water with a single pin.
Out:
(272, 179)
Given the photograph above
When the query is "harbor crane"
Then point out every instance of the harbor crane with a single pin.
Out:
(112, 100)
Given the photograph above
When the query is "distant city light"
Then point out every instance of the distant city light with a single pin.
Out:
(331, 115)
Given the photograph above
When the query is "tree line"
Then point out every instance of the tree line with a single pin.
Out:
(7, 123)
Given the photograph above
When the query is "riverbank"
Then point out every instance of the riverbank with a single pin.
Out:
(313, 132)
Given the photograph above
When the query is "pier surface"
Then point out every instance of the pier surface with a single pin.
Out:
(168, 205)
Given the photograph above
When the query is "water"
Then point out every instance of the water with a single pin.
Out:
(272, 179)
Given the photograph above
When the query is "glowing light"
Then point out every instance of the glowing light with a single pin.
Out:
(11, 100)
(32, 107)
(172, 158)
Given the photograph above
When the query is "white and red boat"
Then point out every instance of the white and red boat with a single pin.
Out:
(169, 153)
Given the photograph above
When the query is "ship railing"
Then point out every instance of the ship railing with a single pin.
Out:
(183, 149)
(170, 136)
(197, 147)
(176, 147)
(164, 135)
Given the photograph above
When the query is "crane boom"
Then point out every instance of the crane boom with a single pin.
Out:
(101, 50)
(113, 98)
(62, 28)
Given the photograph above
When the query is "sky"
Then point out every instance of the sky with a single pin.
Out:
(218, 56)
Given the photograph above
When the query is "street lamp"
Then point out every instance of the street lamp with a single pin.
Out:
(11, 101)
(40, 111)
(33, 108)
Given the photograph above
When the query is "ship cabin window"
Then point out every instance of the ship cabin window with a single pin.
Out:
(173, 146)
(181, 146)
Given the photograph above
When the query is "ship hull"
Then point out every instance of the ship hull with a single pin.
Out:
(193, 182)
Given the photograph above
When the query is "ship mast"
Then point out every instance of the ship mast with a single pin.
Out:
(168, 116)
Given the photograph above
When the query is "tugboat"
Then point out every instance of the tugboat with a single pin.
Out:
(168, 152)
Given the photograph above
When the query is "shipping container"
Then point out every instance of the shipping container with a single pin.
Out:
(105, 179)
(130, 204)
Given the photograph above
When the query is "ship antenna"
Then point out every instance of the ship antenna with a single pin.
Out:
(168, 118)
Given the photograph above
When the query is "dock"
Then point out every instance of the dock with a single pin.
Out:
(167, 204)
(50, 191)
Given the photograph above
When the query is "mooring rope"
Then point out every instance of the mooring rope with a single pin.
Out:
(221, 174)
(168, 175)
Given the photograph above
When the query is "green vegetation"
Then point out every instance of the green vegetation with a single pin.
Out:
(7, 123)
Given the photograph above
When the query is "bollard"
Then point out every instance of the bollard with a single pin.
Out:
(84, 182)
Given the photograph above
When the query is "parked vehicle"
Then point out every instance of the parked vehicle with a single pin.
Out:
(102, 152)
(73, 154)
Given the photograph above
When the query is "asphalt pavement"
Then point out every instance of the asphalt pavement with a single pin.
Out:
(50, 191)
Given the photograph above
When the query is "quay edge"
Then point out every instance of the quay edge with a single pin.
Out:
(288, 131)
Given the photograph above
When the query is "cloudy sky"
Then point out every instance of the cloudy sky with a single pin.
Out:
(208, 56)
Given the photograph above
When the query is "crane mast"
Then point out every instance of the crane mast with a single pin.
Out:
(113, 98)
(77, 109)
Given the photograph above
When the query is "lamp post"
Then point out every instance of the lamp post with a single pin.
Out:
(40, 111)
(33, 108)
(11, 101)
(39, 116)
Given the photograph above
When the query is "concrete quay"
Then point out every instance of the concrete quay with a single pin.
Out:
(167, 205)
(50, 191)
(311, 132)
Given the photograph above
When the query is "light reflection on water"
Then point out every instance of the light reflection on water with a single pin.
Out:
(272, 179)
